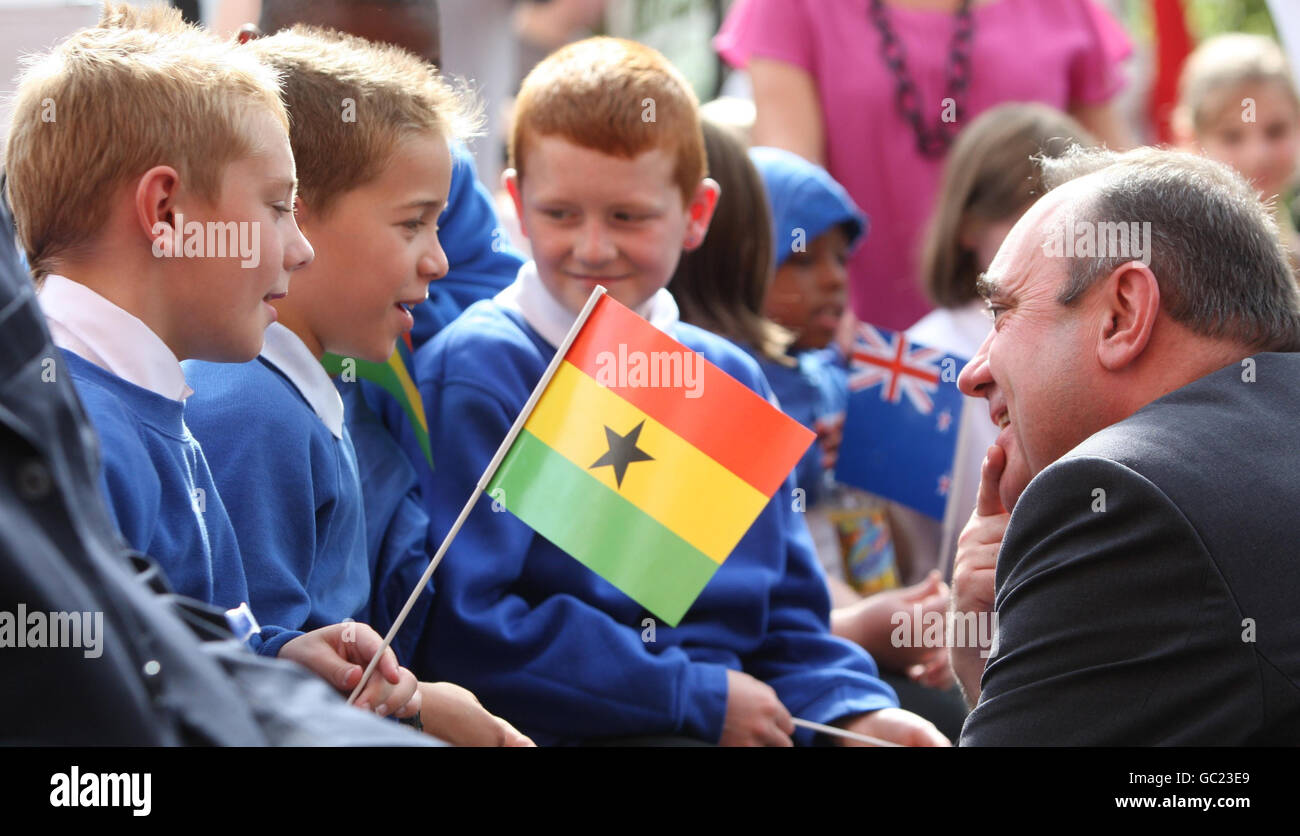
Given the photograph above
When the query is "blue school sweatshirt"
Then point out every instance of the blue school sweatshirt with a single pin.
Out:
(292, 491)
(396, 526)
(162, 495)
(545, 641)
(317, 548)
(815, 388)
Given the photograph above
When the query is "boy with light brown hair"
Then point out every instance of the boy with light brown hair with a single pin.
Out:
(152, 182)
(371, 127)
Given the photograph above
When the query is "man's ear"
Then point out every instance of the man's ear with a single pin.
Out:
(1130, 307)
(155, 205)
(699, 212)
(510, 179)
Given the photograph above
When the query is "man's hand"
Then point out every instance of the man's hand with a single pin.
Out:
(755, 715)
(975, 567)
(894, 725)
(339, 654)
(451, 713)
(871, 623)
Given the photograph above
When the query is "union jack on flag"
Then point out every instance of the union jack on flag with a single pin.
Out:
(896, 366)
(900, 431)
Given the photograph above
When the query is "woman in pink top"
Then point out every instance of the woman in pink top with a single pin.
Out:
(825, 89)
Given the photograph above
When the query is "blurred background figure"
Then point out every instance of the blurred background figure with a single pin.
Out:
(1238, 104)
(871, 94)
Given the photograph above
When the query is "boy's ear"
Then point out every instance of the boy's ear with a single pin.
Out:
(510, 179)
(155, 204)
(699, 213)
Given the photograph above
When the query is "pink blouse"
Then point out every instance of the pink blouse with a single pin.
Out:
(1059, 52)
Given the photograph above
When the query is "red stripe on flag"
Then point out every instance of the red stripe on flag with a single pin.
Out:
(728, 421)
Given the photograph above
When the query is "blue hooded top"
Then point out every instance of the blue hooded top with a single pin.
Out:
(803, 196)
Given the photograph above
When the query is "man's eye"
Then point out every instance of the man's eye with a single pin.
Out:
(413, 225)
(993, 311)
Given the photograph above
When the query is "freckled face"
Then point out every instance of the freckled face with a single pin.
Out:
(593, 218)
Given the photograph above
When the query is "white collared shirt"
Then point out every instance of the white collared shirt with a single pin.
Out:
(288, 353)
(100, 332)
(549, 318)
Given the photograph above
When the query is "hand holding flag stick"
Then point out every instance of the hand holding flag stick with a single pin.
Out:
(483, 481)
(847, 735)
(666, 490)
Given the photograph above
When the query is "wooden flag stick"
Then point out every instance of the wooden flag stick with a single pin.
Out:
(837, 732)
(483, 481)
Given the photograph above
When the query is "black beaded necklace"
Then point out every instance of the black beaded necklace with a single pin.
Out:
(931, 140)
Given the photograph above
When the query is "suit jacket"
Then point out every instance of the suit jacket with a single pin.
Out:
(1148, 581)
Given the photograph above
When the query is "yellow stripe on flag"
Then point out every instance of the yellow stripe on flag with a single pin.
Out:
(408, 386)
(688, 492)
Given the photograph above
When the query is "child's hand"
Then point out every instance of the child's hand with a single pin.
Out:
(975, 567)
(339, 654)
(451, 713)
(894, 725)
(830, 432)
(871, 623)
(755, 715)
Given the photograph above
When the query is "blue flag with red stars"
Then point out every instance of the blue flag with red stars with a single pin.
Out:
(900, 431)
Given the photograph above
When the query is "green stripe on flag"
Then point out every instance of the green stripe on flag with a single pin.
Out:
(602, 530)
(394, 378)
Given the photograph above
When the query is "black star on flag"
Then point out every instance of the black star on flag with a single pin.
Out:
(622, 452)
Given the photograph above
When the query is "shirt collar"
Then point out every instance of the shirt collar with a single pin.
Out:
(100, 332)
(547, 316)
(283, 349)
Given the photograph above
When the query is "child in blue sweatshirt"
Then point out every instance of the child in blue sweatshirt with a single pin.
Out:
(480, 259)
(729, 286)
(280, 446)
(609, 195)
(182, 234)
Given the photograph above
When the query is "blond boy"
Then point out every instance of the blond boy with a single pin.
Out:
(152, 182)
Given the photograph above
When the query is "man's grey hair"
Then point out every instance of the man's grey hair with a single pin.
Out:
(1214, 247)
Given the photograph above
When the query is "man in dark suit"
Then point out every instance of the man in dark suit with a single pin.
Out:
(1142, 368)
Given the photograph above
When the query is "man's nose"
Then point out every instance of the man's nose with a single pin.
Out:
(975, 376)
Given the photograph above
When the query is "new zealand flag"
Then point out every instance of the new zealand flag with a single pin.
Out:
(900, 433)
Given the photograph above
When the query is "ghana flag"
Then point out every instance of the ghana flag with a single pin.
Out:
(395, 378)
(645, 462)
